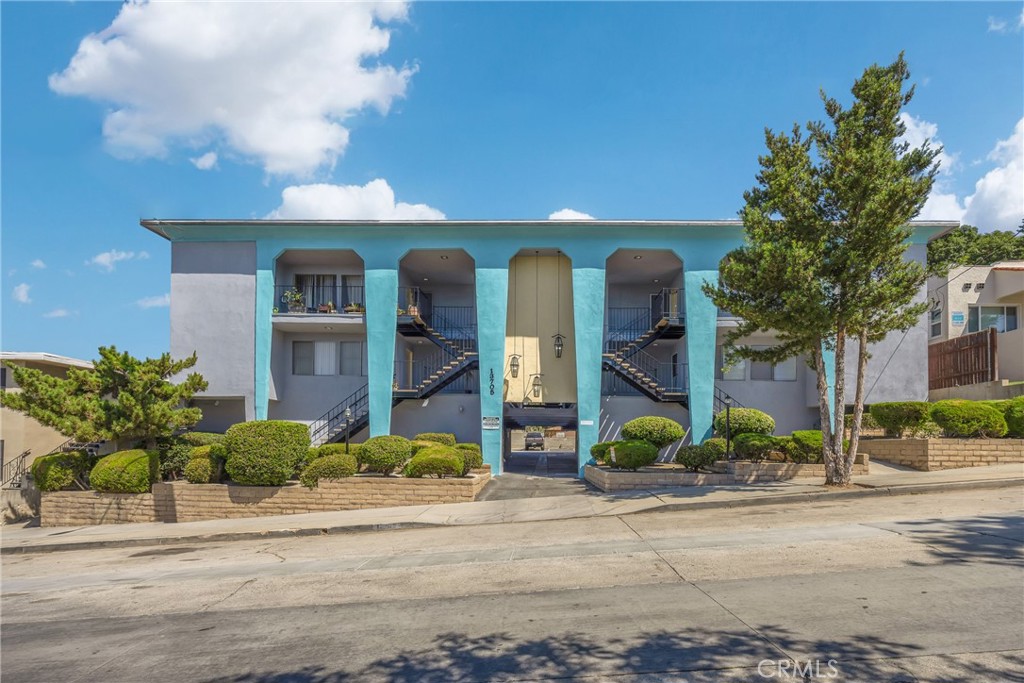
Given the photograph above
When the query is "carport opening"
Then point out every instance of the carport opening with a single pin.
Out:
(541, 441)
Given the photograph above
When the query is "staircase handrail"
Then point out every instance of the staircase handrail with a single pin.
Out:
(720, 400)
(624, 334)
(322, 425)
(14, 470)
(465, 341)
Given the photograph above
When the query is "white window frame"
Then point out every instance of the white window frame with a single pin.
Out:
(774, 374)
(934, 320)
(978, 309)
(739, 368)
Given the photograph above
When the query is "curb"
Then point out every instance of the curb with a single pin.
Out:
(861, 492)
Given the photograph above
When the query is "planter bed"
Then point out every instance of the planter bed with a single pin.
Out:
(183, 502)
(739, 472)
(945, 453)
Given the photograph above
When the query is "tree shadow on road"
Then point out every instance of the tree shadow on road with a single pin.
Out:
(994, 539)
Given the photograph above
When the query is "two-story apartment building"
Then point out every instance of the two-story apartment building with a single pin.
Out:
(475, 327)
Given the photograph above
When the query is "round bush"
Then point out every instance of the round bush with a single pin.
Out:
(336, 448)
(1013, 413)
(436, 437)
(175, 452)
(385, 454)
(968, 418)
(202, 438)
(132, 471)
(265, 452)
(472, 456)
(755, 447)
(417, 446)
(659, 431)
(717, 446)
(744, 421)
(199, 471)
(60, 470)
(440, 461)
(334, 466)
(632, 455)
(899, 416)
(695, 457)
(599, 451)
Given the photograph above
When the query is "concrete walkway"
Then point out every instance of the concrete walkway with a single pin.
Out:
(891, 482)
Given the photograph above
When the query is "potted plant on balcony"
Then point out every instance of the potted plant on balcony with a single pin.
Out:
(414, 310)
(294, 300)
(326, 308)
(355, 308)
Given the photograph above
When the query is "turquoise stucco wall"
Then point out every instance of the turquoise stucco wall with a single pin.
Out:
(588, 291)
(492, 309)
(701, 331)
(381, 321)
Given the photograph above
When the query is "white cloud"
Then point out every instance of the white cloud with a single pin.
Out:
(204, 162)
(1000, 25)
(57, 313)
(273, 81)
(918, 131)
(38, 264)
(996, 25)
(108, 259)
(20, 293)
(160, 301)
(998, 199)
(570, 215)
(373, 201)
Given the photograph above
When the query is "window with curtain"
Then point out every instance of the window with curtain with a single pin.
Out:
(302, 358)
(318, 290)
(1003, 318)
(351, 354)
(315, 358)
(737, 372)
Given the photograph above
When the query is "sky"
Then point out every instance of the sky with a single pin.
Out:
(112, 113)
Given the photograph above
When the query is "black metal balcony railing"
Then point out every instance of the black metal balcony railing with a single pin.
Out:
(669, 377)
(415, 374)
(326, 299)
(666, 304)
(415, 302)
(624, 326)
(457, 324)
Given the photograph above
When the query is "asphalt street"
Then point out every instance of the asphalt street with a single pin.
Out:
(911, 588)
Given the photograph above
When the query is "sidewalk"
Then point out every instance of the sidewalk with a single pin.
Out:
(890, 481)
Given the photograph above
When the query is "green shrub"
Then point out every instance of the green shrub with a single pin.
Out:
(1013, 413)
(199, 470)
(417, 446)
(332, 466)
(695, 457)
(217, 454)
(755, 447)
(632, 455)
(659, 431)
(868, 421)
(807, 446)
(175, 452)
(132, 471)
(968, 418)
(60, 470)
(899, 416)
(440, 461)
(385, 454)
(717, 447)
(599, 451)
(472, 456)
(788, 447)
(202, 438)
(335, 448)
(436, 437)
(744, 421)
(265, 452)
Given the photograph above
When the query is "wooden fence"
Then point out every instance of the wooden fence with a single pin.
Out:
(969, 359)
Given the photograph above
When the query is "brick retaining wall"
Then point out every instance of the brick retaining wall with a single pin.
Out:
(945, 454)
(184, 502)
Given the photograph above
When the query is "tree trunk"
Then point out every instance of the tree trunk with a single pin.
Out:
(828, 456)
(840, 477)
(858, 400)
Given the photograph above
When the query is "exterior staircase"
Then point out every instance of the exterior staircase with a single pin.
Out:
(348, 417)
(14, 470)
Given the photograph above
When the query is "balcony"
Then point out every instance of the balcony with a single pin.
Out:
(339, 308)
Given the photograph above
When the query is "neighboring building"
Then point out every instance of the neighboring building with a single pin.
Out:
(19, 433)
(478, 327)
(975, 332)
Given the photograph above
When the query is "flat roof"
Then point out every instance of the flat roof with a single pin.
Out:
(43, 357)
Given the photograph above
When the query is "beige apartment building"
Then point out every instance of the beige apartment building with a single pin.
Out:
(975, 332)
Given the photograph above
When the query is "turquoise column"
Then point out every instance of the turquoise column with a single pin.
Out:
(588, 293)
(381, 323)
(491, 312)
(263, 332)
(701, 330)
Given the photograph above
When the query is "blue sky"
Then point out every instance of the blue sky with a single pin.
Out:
(466, 110)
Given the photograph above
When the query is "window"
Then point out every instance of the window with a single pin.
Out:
(318, 290)
(3, 379)
(351, 358)
(327, 358)
(781, 372)
(1003, 318)
(935, 322)
(302, 358)
(738, 371)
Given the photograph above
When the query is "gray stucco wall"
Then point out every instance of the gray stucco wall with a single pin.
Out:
(217, 418)
(441, 414)
(304, 398)
(617, 410)
(213, 300)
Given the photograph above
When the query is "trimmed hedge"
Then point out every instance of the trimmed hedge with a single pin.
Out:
(199, 470)
(808, 444)
(436, 437)
(472, 456)
(385, 454)
(1013, 413)
(755, 447)
(632, 455)
(599, 451)
(417, 446)
(968, 418)
(332, 466)
(202, 438)
(744, 421)
(717, 446)
(133, 471)
(898, 416)
(265, 452)
(658, 431)
(336, 448)
(440, 461)
(694, 457)
(59, 471)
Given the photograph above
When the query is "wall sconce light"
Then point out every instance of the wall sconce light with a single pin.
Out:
(536, 386)
(513, 366)
(559, 344)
